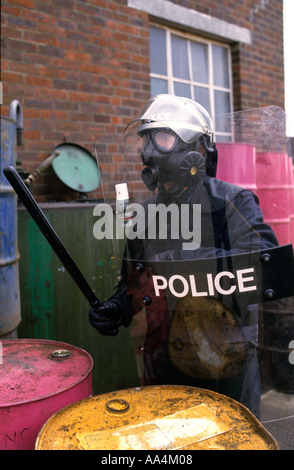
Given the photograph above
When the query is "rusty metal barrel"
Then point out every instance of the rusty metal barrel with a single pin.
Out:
(38, 378)
(155, 418)
(10, 315)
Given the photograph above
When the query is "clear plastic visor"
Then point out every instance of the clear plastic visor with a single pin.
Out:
(178, 115)
(197, 321)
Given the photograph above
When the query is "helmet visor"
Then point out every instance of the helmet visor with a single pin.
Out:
(183, 116)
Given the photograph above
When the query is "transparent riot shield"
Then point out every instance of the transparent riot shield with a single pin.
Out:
(208, 270)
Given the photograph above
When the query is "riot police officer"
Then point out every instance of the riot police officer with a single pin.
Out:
(179, 159)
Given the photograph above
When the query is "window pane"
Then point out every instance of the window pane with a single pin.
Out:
(180, 58)
(222, 106)
(199, 62)
(182, 89)
(192, 67)
(158, 86)
(223, 138)
(220, 66)
(157, 43)
(201, 95)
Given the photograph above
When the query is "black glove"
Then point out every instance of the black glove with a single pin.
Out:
(107, 317)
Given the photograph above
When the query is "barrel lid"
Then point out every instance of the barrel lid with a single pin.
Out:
(34, 369)
(76, 168)
(155, 418)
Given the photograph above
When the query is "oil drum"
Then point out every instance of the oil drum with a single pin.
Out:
(10, 316)
(38, 378)
(237, 164)
(155, 418)
(273, 193)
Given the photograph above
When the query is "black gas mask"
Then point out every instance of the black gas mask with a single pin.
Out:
(167, 159)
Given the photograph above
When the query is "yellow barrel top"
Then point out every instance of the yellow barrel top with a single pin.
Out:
(157, 417)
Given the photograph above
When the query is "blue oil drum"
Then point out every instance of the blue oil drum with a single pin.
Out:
(10, 314)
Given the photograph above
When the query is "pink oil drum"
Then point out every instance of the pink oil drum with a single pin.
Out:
(291, 198)
(38, 378)
(237, 164)
(273, 193)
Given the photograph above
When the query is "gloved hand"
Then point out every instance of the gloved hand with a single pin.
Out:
(107, 317)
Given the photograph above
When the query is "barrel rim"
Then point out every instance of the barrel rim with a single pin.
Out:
(58, 392)
(151, 388)
(5, 118)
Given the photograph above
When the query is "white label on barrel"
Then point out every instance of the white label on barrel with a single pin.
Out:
(170, 432)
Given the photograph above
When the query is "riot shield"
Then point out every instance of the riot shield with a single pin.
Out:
(209, 269)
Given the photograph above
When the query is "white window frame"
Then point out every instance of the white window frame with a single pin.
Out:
(197, 22)
(210, 85)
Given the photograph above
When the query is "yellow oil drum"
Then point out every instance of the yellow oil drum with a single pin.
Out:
(155, 418)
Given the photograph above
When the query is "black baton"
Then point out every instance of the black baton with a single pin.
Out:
(46, 228)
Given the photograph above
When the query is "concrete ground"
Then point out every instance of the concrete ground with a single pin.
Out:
(275, 406)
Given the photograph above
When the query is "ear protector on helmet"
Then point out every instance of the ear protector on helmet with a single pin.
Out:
(211, 156)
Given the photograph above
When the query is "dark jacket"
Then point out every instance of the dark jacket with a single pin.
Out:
(231, 223)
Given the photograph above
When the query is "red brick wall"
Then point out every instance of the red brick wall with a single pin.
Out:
(80, 69)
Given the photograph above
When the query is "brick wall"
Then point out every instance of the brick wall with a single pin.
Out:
(80, 69)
